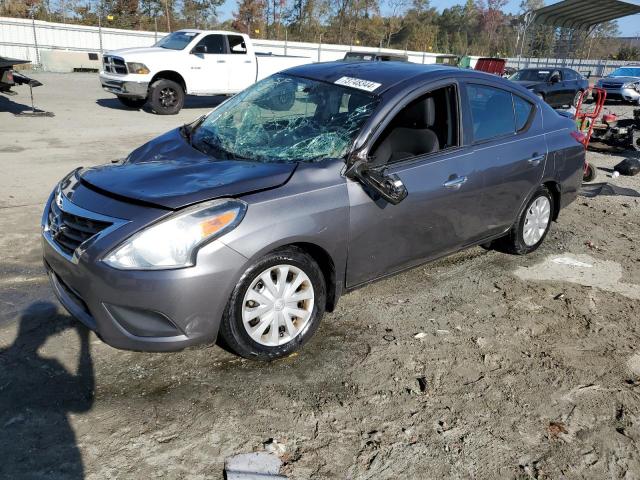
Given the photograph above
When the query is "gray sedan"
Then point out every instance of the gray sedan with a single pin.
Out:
(251, 222)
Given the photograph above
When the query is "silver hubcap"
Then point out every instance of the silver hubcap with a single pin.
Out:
(536, 221)
(278, 305)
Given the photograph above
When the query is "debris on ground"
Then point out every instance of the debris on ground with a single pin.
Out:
(606, 189)
(555, 429)
(253, 466)
(629, 167)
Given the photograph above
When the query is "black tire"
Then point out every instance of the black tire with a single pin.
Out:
(232, 330)
(136, 103)
(589, 174)
(166, 97)
(514, 242)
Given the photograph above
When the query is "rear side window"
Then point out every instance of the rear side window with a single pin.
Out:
(236, 44)
(523, 110)
(214, 43)
(492, 112)
(570, 75)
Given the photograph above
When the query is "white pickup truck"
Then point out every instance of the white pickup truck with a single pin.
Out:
(187, 62)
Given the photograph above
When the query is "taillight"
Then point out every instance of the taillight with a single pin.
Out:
(579, 137)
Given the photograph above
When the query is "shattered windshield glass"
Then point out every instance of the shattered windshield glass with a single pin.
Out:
(285, 119)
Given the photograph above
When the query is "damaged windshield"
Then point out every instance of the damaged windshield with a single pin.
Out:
(285, 119)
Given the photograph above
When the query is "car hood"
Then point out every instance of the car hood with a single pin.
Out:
(528, 83)
(621, 80)
(125, 52)
(169, 173)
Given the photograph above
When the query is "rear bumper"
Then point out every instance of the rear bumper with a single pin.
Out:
(124, 88)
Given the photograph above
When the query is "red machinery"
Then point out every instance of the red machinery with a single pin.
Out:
(585, 120)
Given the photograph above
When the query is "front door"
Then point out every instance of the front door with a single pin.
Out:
(208, 66)
(242, 64)
(442, 211)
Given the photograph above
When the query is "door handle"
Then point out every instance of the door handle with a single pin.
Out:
(222, 61)
(247, 61)
(535, 160)
(455, 183)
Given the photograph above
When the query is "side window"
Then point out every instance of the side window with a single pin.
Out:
(237, 45)
(214, 44)
(557, 74)
(523, 110)
(427, 125)
(491, 111)
(570, 75)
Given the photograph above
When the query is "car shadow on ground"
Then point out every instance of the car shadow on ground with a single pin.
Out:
(190, 102)
(36, 395)
(8, 104)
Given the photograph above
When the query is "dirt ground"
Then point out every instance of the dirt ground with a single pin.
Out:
(480, 365)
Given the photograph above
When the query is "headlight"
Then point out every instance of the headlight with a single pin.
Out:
(139, 68)
(174, 242)
(631, 85)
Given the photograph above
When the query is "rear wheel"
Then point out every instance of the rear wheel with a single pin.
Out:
(166, 97)
(276, 306)
(532, 225)
(576, 98)
(129, 102)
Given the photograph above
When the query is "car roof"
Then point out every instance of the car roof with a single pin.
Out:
(387, 74)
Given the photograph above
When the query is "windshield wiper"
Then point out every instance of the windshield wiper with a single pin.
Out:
(219, 148)
(187, 129)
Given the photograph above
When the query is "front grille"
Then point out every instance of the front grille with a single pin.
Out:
(115, 65)
(611, 85)
(70, 231)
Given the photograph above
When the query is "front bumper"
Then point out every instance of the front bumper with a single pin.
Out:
(124, 88)
(626, 94)
(161, 310)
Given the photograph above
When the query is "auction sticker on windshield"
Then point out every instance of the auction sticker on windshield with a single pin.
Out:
(358, 83)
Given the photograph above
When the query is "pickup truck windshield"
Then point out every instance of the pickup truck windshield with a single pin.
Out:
(626, 72)
(530, 76)
(176, 40)
(285, 119)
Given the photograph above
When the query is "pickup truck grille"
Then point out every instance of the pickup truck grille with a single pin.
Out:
(114, 65)
(70, 231)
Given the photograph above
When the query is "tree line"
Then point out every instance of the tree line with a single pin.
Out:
(473, 27)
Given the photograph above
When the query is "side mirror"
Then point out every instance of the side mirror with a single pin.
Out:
(390, 187)
(199, 49)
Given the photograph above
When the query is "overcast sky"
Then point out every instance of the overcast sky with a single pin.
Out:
(629, 26)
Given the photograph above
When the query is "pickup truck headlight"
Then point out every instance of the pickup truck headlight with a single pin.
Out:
(174, 242)
(138, 68)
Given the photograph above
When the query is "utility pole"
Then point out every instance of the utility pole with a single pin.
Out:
(166, 5)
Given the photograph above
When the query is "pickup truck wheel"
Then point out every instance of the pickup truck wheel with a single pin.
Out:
(166, 97)
(532, 226)
(276, 306)
(129, 102)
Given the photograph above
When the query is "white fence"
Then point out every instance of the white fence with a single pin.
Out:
(27, 39)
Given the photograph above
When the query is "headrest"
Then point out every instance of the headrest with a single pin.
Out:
(356, 101)
(421, 114)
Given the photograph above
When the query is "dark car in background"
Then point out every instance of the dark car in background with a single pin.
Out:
(556, 86)
(375, 57)
(622, 84)
(250, 222)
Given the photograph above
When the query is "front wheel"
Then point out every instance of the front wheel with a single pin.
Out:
(166, 97)
(532, 224)
(589, 173)
(276, 306)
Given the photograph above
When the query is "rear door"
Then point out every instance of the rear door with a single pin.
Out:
(241, 65)
(509, 144)
(441, 213)
(209, 69)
